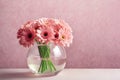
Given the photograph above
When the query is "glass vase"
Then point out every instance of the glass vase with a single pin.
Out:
(46, 59)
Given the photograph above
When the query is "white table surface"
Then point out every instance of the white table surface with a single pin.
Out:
(66, 74)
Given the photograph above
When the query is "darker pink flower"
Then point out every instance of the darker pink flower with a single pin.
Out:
(26, 36)
(28, 24)
(36, 25)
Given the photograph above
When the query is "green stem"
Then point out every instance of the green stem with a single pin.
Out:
(46, 63)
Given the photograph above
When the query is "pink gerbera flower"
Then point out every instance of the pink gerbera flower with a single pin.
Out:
(45, 35)
(63, 33)
(27, 24)
(26, 36)
(50, 22)
(65, 25)
(65, 37)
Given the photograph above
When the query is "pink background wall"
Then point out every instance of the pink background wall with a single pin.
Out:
(95, 24)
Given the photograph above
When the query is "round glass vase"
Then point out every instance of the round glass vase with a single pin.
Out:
(46, 60)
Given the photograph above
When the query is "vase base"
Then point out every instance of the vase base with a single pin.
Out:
(46, 74)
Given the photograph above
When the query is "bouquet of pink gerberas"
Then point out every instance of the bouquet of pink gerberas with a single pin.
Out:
(45, 31)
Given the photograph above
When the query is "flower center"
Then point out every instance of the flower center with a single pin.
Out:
(29, 35)
(63, 37)
(36, 27)
(56, 35)
(45, 34)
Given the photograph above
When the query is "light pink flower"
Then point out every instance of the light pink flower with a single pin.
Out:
(26, 36)
(65, 25)
(50, 22)
(45, 35)
(65, 37)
